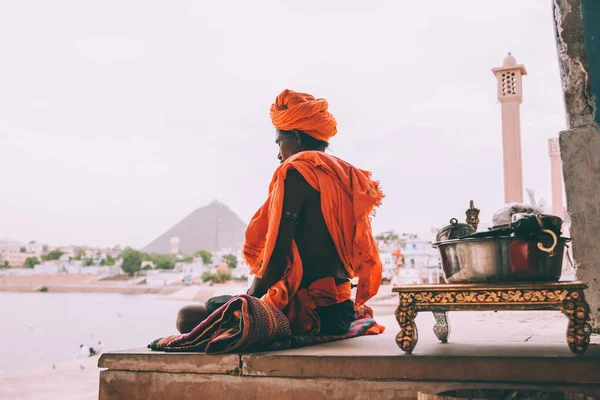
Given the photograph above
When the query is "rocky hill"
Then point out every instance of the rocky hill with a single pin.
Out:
(212, 227)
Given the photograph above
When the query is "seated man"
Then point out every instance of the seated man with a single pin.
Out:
(313, 233)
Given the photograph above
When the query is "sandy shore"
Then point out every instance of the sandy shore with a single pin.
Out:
(79, 284)
(87, 284)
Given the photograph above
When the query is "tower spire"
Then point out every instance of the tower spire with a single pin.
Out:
(557, 178)
(510, 95)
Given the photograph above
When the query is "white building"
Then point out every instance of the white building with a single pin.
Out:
(34, 247)
(10, 253)
(388, 263)
(74, 267)
(69, 251)
(105, 270)
(16, 272)
(419, 255)
(90, 253)
(47, 268)
(422, 263)
(192, 270)
(19, 259)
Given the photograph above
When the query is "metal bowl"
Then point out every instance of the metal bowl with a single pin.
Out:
(500, 259)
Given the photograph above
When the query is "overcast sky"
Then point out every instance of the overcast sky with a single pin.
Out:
(118, 118)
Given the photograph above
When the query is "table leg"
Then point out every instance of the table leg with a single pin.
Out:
(579, 330)
(406, 312)
(442, 325)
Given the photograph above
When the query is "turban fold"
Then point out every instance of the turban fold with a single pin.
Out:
(301, 111)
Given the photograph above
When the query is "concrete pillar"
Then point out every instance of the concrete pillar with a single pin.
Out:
(558, 207)
(510, 95)
(578, 42)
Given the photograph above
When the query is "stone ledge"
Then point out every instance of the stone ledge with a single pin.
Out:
(117, 385)
(156, 361)
(378, 358)
(360, 359)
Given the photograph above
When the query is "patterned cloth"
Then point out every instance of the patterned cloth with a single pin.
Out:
(246, 324)
(357, 328)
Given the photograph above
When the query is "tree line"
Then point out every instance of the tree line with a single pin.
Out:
(133, 260)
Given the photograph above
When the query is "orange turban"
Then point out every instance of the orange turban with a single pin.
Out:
(294, 110)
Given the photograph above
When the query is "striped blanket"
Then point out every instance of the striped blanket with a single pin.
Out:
(246, 324)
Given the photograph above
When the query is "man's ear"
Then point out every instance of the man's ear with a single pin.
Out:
(297, 136)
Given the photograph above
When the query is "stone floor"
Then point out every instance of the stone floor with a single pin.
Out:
(486, 349)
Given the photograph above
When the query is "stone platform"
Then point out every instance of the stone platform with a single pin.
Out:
(371, 367)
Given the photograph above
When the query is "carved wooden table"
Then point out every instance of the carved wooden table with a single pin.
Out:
(439, 299)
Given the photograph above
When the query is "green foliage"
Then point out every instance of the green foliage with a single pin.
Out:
(132, 261)
(108, 260)
(207, 276)
(53, 255)
(31, 262)
(88, 262)
(23, 250)
(160, 261)
(218, 277)
(80, 255)
(388, 236)
(206, 256)
(4, 265)
(147, 267)
(187, 259)
(222, 276)
(164, 262)
(231, 260)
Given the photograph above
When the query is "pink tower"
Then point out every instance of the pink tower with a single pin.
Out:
(510, 95)
(558, 207)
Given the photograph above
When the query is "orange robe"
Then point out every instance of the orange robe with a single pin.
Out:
(348, 200)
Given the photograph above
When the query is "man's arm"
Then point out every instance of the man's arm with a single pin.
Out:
(295, 190)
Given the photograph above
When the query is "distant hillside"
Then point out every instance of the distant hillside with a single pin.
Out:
(204, 229)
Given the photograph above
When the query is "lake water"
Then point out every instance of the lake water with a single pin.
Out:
(47, 328)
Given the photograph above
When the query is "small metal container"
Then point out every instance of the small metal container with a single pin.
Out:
(501, 259)
(454, 231)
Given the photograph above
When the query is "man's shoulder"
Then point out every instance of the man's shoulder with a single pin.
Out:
(294, 177)
(296, 185)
